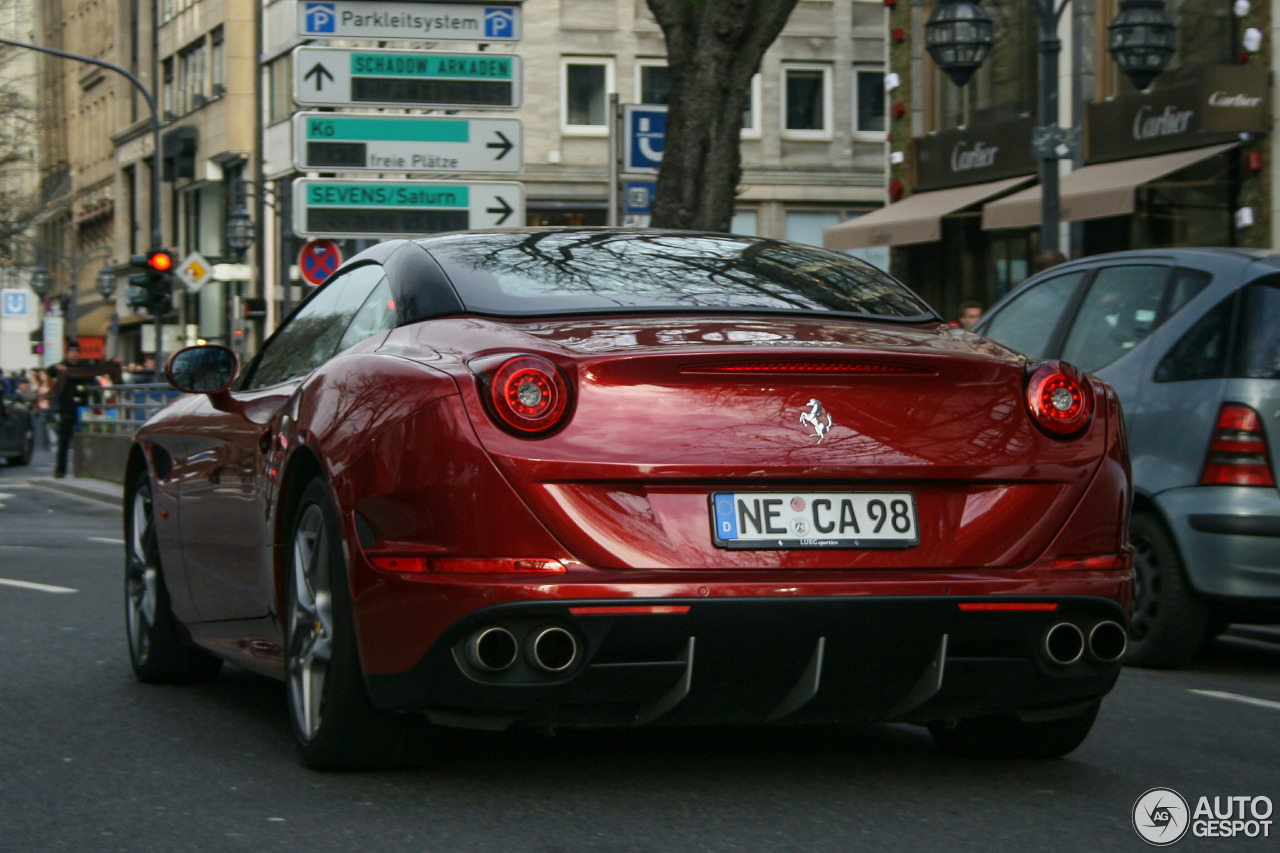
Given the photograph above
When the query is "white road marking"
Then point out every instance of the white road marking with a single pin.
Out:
(42, 587)
(5, 495)
(105, 539)
(1236, 697)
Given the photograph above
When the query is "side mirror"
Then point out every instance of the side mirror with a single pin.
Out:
(202, 370)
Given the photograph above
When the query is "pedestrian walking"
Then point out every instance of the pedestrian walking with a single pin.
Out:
(69, 393)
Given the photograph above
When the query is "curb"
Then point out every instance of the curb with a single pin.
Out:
(98, 491)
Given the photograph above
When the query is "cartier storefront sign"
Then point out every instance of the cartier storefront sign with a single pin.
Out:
(1212, 103)
(975, 154)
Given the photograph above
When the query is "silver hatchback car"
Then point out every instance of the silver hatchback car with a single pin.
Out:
(1190, 340)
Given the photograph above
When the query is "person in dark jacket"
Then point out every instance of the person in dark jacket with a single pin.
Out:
(71, 377)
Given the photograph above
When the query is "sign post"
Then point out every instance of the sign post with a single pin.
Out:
(381, 209)
(397, 143)
(352, 77)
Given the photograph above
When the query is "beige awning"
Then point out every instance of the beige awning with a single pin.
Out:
(915, 219)
(1103, 189)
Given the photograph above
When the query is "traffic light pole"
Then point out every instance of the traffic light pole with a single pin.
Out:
(155, 155)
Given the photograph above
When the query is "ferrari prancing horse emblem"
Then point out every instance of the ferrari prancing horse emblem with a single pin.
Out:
(814, 418)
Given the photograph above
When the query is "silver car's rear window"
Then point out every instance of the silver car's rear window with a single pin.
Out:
(558, 272)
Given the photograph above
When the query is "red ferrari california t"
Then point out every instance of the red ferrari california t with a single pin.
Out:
(604, 477)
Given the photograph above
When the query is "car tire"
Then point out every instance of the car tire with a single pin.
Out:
(1169, 622)
(156, 650)
(1009, 737)
(28, 448)
(334, 723)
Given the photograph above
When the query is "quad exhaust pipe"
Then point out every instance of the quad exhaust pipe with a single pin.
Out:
(1063, 643)
(551, 649)
(492, 649)
(1107, 641)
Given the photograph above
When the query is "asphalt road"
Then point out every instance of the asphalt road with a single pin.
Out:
(92, 760)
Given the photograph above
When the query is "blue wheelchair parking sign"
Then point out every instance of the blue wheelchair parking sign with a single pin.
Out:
(499, 23)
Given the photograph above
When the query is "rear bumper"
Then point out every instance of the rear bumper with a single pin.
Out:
(1228, 537)
(761, 659)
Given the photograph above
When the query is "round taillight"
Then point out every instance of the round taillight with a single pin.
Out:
(1060, 399)
(528, 394)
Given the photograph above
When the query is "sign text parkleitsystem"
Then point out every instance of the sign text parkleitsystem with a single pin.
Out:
(427, 21)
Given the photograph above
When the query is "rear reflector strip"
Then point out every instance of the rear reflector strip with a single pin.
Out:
(467, 565)
(1008, 605)
(627, 610)
(828, 367)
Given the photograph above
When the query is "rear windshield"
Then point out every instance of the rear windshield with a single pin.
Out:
(545, 273)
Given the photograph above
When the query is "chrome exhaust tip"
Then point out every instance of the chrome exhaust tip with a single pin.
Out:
(551, 649)
(1107, 641)
(1063, 643)
(492, 649)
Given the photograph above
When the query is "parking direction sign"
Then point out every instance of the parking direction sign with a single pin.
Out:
(423, 21)
(646, 130)
(318, 260)
(352, 77)
(400, 143)
(381, 209)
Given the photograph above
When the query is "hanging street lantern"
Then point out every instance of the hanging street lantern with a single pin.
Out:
(106, 282)
(1141, 40)
(41, 281)
(240, 231)
(959, 35)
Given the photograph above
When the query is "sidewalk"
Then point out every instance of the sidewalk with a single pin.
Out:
(101, 491)
(40, 474)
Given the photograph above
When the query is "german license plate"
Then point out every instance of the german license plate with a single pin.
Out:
(760, 520)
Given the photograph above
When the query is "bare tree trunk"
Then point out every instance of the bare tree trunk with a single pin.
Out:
(714, 48)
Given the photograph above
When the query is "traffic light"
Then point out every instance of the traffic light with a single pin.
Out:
(150, 287)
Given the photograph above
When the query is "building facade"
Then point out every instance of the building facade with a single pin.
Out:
(1185, 163)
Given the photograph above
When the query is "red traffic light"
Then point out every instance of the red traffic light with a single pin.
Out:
(160, 261)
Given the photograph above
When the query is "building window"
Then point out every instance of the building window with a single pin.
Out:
(587, 84)
(218, 62)
(806, 226)
(868, 101)
(745, 222)
(280, 88)
(653, 86)
(193, 203)
(191, 75)
(807, 102)
(167, 98)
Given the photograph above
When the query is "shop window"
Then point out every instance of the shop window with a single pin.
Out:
(868, 101)
(806, 226)
(806, 105)
(1120, 309)
(1027, 324)
(586, 85)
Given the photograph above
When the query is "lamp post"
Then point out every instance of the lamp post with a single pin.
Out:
(71, 265)
(959, 35)
(155, 144)
(241, 231)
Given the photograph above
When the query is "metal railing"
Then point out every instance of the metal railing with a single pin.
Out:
(121, 409)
